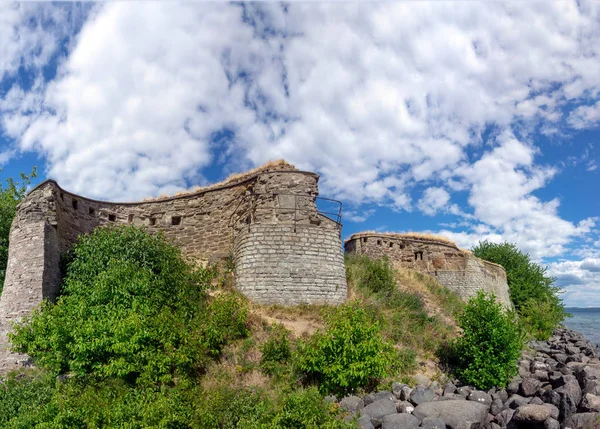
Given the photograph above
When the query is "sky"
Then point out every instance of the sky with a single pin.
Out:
(472, 120)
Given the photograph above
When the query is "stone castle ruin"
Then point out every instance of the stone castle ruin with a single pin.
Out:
(454, 268)
(285, 250)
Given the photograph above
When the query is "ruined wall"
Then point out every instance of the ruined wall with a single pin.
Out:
(204, 224)
(454, 268)
(286, 265)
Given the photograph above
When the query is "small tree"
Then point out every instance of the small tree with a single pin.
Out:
(532, 291)
(349, 354)
(10, 197)
(486, 354)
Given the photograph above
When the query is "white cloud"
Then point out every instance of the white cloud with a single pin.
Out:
(580, 280)
(358, 216)
(433, 200)
(377, 97)
(585, 116)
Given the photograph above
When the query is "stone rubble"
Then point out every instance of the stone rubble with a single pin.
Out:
(558, 387)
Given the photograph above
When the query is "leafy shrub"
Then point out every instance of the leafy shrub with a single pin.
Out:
(529, 286)
(486, 354)
(374, 275)
(131, 308)
(306, 409)
(349, 354)
(276, 350)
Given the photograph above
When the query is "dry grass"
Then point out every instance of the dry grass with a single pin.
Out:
(277, 165)
(404, 235)
(301, 321)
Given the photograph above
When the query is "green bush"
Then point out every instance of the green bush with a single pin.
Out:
(306, 409)
(486, 354)
(276, 350)
(348, 355)
(529, 286)
(131, 308)
(374, 275)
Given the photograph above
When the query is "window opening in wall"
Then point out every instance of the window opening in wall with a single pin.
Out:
(62, 196)
(364, 239)
(418, 256)
(176, 220)
(91, 210)
(379, 242)
(152, 221)
(74, 204)
(391, 244)
(112, 218)
(130, 218)
(402, 246)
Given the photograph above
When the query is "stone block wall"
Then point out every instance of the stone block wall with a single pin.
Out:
(204, 224)
(454, 268)
(280, 264)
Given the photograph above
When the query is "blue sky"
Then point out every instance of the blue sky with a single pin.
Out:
(472, 120)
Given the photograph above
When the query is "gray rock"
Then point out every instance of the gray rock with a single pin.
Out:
(540, 375)
(551, 423)
(513, 386)
(433, 423)
(554, 413)
(352, 404)
(551, 397)
(421, 394)
(369, 399)
(570, 396)
(539, 366)
(449, 389)
(592, 386)
(581, 421)
(399, 421)
(422, 380)
(379, 409)
(536, 401)
(515, 401)
(397, 389)
(456, 414)
(405, 407)
(529, 386)
(384, 394)
(501, 394)
(561, 357)
(531, 414)
(365, 423)
(481, 397)
(496, 406)
(463, 391)
(590, 403)
(505, 416)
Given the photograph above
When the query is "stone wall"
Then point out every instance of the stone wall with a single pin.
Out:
(277, 264)
(204, 224)
(454, 268)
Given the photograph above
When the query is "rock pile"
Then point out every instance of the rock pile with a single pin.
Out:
(558, 387)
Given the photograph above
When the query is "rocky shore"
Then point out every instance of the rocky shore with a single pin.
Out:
(558, 386)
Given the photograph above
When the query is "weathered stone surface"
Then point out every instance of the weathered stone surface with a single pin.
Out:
(456, 414)
(421, 394)
(481, 397)
(590, 403)
(405, 407)
(365, 422)
(378, 409)
(433, 423)
(457, 270)
(399, 421)
(529, 386)
(285, 252)
(532, 414)
(352, 404)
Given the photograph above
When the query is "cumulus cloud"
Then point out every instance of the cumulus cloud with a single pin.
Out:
(433, 200)
(580, 280)
(585, 116)
(378, 98)
(358, 216)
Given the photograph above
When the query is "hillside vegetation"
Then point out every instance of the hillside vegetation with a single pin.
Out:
(139, 339)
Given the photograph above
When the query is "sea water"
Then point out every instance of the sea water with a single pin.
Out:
(586, 321)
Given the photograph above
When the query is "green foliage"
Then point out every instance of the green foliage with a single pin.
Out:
(10, 196)
(276, 350)
(486, 354)
(132, 309)
(530, 288)
(349, 354)
(374, 275)
(42, 402)
(305, 409)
